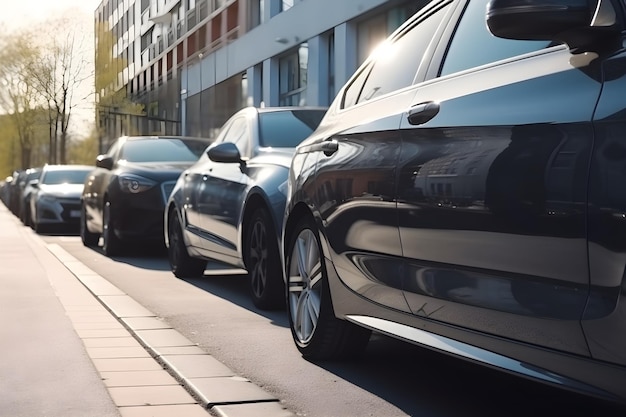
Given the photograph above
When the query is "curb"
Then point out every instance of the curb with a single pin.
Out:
(210, 384)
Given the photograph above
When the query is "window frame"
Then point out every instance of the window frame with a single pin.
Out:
(409, 25)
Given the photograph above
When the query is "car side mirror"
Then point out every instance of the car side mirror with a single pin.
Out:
(34, 183)
(226, 152)
(574, 22)
(104, 161)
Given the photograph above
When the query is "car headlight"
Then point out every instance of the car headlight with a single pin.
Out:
(134, 183)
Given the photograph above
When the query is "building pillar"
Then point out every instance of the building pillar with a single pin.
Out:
(317, 72)
(345, 53)
(271, 84)
(254, 77)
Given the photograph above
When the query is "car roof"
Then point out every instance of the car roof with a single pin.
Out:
(62, 167)
(163, 137)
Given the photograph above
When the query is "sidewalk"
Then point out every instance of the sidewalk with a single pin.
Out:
(74, 345)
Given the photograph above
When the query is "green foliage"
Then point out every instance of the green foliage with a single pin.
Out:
(84, 151)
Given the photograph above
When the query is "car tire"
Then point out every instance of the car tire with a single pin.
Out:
(263, 263)
(112, 245)
(181, 264)
(89, 239)
(317, 332)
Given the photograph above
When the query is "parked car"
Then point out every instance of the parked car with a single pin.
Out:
(26, 191)
(55, 199)
(229, 205)
(14, 191)
(124, 197)
(465, 192)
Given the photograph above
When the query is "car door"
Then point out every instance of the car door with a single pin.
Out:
(220, 194)
(492, 186)
(357, 165)
(96, 186)
(193, 187)
(603, 320)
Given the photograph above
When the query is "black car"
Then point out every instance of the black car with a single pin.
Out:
(465, 192)
(124, 196)
(229, 205)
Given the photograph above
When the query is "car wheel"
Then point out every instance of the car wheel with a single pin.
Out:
(318, 334)
(112, 245)
(181, 264)
(263, 263)
(89, 239)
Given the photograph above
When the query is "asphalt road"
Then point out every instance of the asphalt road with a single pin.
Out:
(392, 379)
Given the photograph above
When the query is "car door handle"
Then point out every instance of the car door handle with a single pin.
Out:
(329, 147)
(423, 112)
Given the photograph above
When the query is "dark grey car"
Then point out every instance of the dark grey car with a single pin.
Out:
(465, 193)
(228, 207)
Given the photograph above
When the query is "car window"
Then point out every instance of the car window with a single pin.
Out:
(113, 149)
(238, 134)
(394, 64)
(286, 129)
(473, 45)
(64, 177)
(162, 150)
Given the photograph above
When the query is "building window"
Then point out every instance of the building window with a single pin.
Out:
(255, 13)
(292, 73)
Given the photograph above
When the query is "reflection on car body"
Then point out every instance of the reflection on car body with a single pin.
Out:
(124, 196)
(228, 206)
(470, 201)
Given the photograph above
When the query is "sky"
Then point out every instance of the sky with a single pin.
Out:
(21, 14)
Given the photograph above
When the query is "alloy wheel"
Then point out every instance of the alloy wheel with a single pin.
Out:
(258, 258)
(305, 286)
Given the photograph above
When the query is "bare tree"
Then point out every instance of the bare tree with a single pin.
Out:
(57, 75)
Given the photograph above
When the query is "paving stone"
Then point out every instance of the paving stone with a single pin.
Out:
(181, 410)
(111, 341)
(98, 285)
(77, 267)
(177, 350)
(216, 391)
(145, 323)
(91, 333)
(197, 366)
(274, 409)
(150, 395)
(125, 306)
(90, 316)
(126, 364)
(137, 378)
(117, 352)
(99, 326)
(163, 337)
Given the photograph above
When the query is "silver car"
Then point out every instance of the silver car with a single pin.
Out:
(55, 199)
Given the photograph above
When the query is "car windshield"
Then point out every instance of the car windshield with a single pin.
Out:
(68, 176)
(286, 129)
(162, 150)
